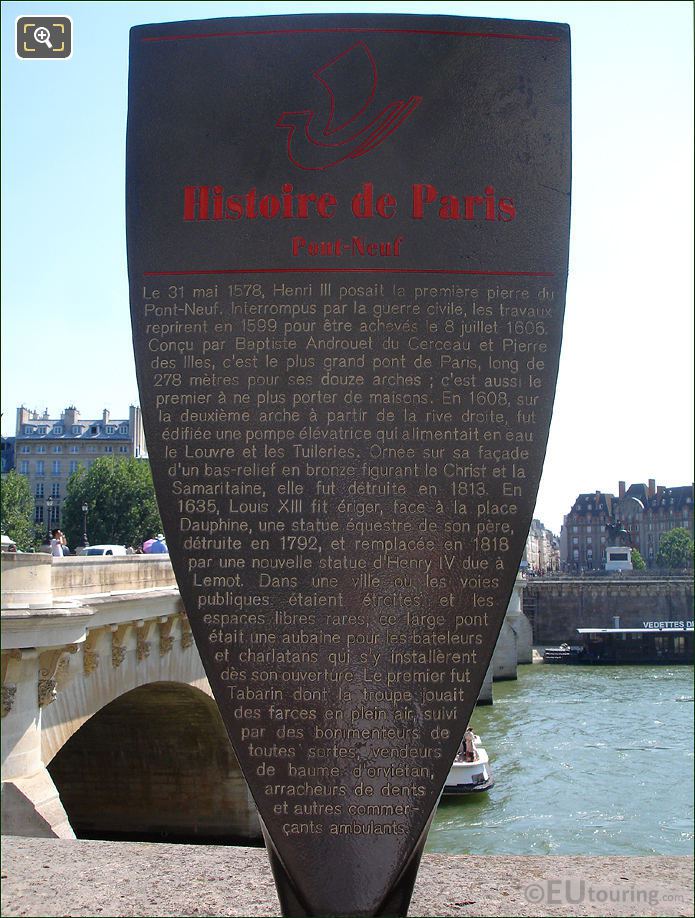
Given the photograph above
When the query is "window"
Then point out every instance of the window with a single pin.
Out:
(40, 470)
(76, 429)
(57, 430)
(110, 428)
(123, 429)
(575, 540)
(94, 429)
(39, 490)
(56, 466)
(24, 467)
(91, 449)
(25, 449)
(575, 529)
(38, 513)
(122, 449)
(28, 429)
(74, 449)
(40, 449)
(588, 528)
(57, 449)
(55, 489)
(74, 465)
(108, 449)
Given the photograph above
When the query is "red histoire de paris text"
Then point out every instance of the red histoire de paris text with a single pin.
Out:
(211, 202)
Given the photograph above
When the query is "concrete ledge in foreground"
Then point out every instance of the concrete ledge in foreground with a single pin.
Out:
(61, 877)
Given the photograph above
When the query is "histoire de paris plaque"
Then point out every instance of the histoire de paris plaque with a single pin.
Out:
(347, 248)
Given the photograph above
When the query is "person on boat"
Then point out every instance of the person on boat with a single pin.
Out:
(469, 739)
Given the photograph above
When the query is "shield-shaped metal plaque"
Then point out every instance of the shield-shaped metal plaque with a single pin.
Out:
(347, 246)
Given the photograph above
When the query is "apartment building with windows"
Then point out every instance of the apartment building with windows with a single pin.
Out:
(49, 450)
(645, 511)
(542, 550)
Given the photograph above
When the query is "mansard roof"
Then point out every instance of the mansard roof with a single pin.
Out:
(665, 499)
(596, 503)
(672, 498)
(57, 429)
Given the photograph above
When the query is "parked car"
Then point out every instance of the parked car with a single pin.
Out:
(104, 550)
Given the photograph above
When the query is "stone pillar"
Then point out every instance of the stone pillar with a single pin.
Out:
(485, 696)
(520, 623)
(506, 655)
(30, 801)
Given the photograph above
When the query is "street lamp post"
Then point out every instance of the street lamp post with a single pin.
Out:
(49, 513)
(85, 510)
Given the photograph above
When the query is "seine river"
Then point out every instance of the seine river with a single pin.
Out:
(594, 760)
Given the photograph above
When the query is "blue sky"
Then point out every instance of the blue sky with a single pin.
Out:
(624, 401)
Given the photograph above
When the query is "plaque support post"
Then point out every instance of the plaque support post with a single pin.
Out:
(394, 905)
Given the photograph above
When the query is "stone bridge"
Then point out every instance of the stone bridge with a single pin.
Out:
(89, 636)
(109, 725)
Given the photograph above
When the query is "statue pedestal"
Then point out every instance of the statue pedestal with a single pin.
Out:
(618, 558)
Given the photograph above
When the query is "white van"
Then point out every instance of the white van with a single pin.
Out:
(104, 550)
(8, 544)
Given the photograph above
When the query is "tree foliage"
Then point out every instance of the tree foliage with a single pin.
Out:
(638, 562)
(122, 506)
(675, 549)
(17, 510)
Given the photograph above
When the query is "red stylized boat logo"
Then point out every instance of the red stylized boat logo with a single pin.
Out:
(347, 133)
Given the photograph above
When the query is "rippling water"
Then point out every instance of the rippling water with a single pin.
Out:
(592, 760)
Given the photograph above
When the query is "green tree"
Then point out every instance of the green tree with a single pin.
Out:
(675, 549)
(638, 562)
(17, 510)
(121, 501)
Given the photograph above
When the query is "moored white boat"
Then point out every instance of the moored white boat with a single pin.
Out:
(470, 776)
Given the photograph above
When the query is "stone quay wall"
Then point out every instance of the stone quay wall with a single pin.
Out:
(557, 607)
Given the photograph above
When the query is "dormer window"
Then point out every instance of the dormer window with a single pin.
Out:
(76, 429)
(123, 429)
(57, 430)
(94, 429)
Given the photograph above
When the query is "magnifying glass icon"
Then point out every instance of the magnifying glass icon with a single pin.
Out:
(43, 36)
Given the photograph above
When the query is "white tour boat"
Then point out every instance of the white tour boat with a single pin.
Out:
(470, 776)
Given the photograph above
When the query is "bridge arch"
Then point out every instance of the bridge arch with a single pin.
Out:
(154, 763)
(113, 661)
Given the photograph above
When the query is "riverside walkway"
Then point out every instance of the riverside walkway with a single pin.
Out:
(63, 877)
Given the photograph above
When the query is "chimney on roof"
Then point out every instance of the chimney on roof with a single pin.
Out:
(621, 489)
(651, 489)
(105, 415)
(659, 490)
(70, 416)
(597, 498)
